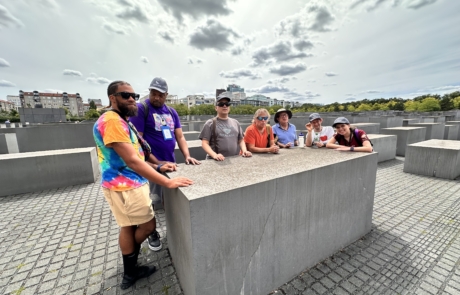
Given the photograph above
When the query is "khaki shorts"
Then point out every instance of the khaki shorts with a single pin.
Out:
(132, 207)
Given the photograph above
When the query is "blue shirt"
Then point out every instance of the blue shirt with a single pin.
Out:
(285, 136)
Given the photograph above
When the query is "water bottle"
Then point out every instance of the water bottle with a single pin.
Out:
(301, 140)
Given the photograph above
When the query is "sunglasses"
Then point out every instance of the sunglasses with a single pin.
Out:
(262, 118)
(127, 95)
(221, 104)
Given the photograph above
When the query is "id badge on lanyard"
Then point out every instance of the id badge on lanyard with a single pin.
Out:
(165, 130)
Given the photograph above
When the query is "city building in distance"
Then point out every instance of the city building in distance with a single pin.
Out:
(35, 99)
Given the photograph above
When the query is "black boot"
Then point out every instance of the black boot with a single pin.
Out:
(133, 272)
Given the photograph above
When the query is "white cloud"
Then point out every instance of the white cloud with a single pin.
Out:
(4, 63)
(288, 69)
(331, 74)
(195, 8)
(4, 83)
(240, 73)
(193, 60)
(213, 35)
(144, 59)
(98, 80)
(281, 80)
(7, 19)
(74, 73)
(277, 52)
(114, 28)
(269, 89)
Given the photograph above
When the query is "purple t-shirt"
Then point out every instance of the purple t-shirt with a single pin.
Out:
(151, 127)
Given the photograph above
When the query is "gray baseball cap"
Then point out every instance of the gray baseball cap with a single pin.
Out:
(340, 120)
(314, 116)
(159, 84)
(226, 95)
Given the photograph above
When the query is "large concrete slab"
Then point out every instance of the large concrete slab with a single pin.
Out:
(451, 132)
(369, 128)
(384, 145)
(405, 136)
(195, 150)
(387, 121)
(8, 143)
(436, 158)
(433, 130)
(247, 226)
(35, 171)
(407, 122)
(191, 135)
(55, 137)
(455, 123)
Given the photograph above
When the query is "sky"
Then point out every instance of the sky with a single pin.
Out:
(319, 51)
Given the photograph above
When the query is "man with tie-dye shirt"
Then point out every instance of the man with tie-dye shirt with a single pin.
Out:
(125, 177)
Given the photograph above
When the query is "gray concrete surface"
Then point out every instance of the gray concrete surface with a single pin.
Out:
(387, 121)
(407, 122)
(8, 130)
(455, 123)
(8, 143)
(247, 226)
(369, 128)
(191, 135)
(55, 137)
(41, 115)
(436, 158)
(451, 132)
(433, 130)
(195, 150)
(35, 171)
(384, 145)
(405, 136)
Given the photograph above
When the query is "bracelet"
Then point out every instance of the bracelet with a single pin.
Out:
(158, 168)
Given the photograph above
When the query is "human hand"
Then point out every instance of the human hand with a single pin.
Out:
(309, 127)
(168, 167)
(193, 161)
(288, 145)
(219, 157)
(319, 144)
(343, 148)
(179, 182)
(246, 154)
(274, 149)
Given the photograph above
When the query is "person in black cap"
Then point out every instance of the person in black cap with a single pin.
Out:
(348, 139)
(222, 136)
(318, 135)
(285, 131)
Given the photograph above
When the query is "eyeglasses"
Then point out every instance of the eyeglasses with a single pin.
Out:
(262, 118)
(127, 95)
(221, 104)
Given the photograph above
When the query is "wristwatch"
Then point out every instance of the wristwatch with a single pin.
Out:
(158, 167)
(352, 148)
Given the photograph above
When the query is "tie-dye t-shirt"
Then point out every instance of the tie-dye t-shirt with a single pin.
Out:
(116, 175)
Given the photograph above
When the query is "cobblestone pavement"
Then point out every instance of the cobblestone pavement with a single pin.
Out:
(65, 241)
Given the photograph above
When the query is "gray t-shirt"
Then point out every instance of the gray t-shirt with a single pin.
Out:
(228, 134)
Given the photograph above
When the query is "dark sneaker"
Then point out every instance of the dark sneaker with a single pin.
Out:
(141, 272)
(154, 241)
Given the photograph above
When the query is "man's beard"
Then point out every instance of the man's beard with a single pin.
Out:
(126, 111)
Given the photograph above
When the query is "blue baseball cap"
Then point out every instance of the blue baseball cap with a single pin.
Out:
(159, 84)
(340, 120)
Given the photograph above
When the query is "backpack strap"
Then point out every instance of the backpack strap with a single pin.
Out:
(146, 110)
(358, 139)
(213, 140)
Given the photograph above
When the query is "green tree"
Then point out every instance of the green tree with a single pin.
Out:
(411, 106)
(364, 107)
(181, 109)
(92, 114)
(92, 105)
(429, 104)
(446, 103)
(351, 108)
(14, 113)
(456, 102)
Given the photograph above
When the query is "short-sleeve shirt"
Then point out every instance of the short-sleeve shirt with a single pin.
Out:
(253, 136)
(342, 141)
(285, 136)
(116, 175)
(323, 136)
(228, 135)
(162, 149)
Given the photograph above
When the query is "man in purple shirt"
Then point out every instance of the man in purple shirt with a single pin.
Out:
(160, 126)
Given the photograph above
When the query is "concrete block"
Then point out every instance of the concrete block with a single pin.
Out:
(441, 158)
(433, 130)
(384, 145)
(426, 120)
(55, 137)
(36, 171)
(191, 135)
(369, 128)
(184, 127)
(451, 132)
(8, 143)
(455, 123)
(405, 136)
(195, 150)
(8, 130)
(247, 226)
(387, 121)
(407, 122)
(358, 119)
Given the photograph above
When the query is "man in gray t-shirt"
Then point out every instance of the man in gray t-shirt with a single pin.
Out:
(227, 138)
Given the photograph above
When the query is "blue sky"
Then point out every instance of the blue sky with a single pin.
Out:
(307, 51)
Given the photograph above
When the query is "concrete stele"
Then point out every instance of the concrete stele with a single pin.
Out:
(405, 136)
(247, 225)
(441, 158)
